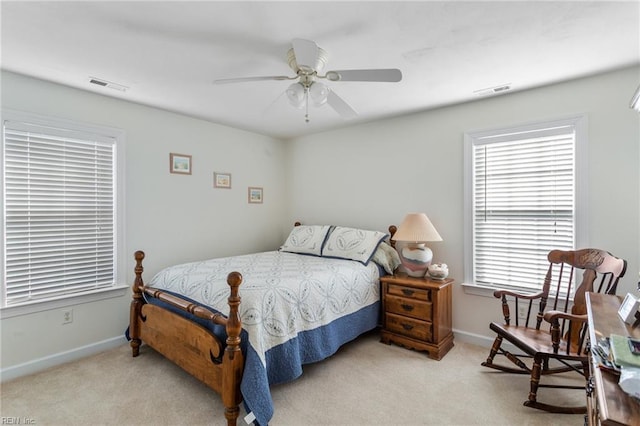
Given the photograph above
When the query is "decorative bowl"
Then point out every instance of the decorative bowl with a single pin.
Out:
(438, 271)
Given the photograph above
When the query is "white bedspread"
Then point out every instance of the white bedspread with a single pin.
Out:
(282, 293)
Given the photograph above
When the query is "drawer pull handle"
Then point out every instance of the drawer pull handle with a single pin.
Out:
(407, 327)
(407, 292)
(406, 307)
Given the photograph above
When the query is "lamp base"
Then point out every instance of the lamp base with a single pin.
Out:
(415, 258)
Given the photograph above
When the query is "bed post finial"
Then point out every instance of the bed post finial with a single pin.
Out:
(136, 305)
(234, 325)
(392, 231)
(139, 256)
(232, 372)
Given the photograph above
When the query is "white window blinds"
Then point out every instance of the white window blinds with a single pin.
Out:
(60, 220)
(523, 204)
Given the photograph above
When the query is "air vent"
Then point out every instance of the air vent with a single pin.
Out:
(98, 82)
(501, 89)
(109, 84)
(493, 90)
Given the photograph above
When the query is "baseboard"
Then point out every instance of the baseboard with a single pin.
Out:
(41, 364)
(474, 339)
(480, 340)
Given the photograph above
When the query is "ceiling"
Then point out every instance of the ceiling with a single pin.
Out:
(167, 54)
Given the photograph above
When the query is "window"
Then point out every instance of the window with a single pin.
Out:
(61, 209)
(524, 198)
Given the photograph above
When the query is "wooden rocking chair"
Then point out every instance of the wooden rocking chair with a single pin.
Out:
(554, 334)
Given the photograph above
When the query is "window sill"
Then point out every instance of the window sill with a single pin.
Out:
(478, 290)
(30, 308)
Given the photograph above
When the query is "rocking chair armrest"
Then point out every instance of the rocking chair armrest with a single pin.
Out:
(551, 316)
(528, 296)
(554, 317)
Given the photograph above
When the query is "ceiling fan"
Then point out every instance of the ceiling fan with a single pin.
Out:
(308, 60)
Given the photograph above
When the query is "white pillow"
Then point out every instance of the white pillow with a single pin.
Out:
(387, 257)
(352, 244)
(305, 239)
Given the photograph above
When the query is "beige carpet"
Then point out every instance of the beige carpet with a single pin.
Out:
(365, 383)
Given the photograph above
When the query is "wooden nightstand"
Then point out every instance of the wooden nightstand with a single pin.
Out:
(417, 313)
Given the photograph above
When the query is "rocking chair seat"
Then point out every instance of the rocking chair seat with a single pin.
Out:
(533, 341)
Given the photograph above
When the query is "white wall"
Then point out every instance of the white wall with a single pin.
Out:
(371, 175)
(173, 218)
(368, 175)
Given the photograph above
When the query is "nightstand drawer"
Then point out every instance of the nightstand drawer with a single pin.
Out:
(414, 293)
(420, 330)
(409, 307)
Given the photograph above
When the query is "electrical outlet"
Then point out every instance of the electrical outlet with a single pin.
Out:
(67, 316)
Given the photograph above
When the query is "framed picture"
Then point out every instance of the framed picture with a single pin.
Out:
(255, 195)
(628, 309)
(180, 164)
(221, 180)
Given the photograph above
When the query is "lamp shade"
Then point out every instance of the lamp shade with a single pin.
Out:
(416, 228)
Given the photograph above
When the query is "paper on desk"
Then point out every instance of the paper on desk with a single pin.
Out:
(630, 381)
(622, 355)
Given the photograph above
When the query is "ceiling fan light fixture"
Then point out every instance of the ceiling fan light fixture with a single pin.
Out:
(296, 95)
(319, 93)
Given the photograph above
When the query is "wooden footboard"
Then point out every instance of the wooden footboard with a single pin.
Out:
(188, 344)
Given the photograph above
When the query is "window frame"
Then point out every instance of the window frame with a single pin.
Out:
(120, 287)
(581, 219)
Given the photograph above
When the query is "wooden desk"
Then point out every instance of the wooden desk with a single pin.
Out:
(608, 404)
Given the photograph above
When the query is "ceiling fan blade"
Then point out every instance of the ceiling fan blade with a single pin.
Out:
(306, 52)
(341, 106)
(245, 79)
(391, 75)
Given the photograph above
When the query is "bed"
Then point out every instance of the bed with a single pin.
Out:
(300, 303)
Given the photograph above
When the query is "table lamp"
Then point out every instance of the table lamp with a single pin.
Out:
(413, 232)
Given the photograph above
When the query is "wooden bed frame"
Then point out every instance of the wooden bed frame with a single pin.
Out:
(190, 345)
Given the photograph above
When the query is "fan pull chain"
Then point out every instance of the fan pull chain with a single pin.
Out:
(306, 101)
